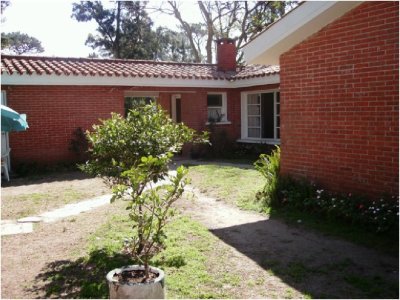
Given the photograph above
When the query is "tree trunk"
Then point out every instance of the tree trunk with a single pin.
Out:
(186, 29)
(146, 270)
(117, 46)
(210, 30)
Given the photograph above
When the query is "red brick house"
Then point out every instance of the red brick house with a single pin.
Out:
(339, 83)
(61, 94)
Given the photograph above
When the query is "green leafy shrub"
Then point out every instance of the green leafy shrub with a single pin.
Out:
(133, 154)
(380, 215)
(269, 166)
(220, 146)
(79, 144)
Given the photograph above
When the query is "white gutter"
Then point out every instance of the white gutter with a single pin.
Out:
(17, 79)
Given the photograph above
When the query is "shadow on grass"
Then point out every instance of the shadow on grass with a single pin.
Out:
(314, 264)
(82, 278)
(47, 177)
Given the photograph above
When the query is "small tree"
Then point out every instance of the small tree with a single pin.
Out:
(133, 154)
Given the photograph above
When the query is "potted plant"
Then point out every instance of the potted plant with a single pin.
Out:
(133, 155)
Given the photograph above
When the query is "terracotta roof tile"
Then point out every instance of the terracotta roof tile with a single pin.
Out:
(11, 64)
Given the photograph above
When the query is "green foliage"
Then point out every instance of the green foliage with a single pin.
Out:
(118, 144)
(133, 154)
(172, 46)
(79, 144)
(269, 166)
(240, 20)
(380, 215)
(221, 145)
(125, 31)
(186, 259)
(20, 43)
(237, 186)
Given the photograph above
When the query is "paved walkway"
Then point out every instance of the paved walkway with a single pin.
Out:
(25, 225)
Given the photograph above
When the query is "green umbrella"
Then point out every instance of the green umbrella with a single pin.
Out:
(11, 120)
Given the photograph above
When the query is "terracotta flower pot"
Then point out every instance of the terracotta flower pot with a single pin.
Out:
(150, 290)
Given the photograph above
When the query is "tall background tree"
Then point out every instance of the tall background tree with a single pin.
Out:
(125, 31)
(20, 43)
(17, 42)
(240, 20)
(4, 5)
(172, 46)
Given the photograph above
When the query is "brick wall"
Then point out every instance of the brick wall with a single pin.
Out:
(340, 103)
(54, 112)
(226, 55)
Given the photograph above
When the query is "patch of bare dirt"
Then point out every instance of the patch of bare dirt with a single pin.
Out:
(276, 260)
(24, 256)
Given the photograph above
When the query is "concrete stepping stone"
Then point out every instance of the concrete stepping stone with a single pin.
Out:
(25, 225)
(74, 209)
(33, 219)
(9, 227)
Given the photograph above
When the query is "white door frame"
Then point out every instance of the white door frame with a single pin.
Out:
(173, 105)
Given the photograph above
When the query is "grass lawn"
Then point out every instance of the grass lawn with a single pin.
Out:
(239, 186)
(188, 261)
(18, 206)
(200, 263)
(31, 196)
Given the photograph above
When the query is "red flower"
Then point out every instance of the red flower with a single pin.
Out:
(360, 206)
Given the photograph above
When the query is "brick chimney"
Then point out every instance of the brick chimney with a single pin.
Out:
(226, 55)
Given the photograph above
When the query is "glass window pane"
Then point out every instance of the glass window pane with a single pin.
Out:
(253, 99)
(132, 102)
(267, 113)
(278, 108)
(254, 132)
(254, 122)
(214, 100)
(215, 115)
(278, 97)
(253, 110)
(278, 133)
(278, 121)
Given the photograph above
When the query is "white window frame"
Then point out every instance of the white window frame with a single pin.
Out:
(224, 108)
(244, 118)
(140, 94)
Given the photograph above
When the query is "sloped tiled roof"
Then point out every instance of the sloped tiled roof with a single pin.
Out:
(36, 65)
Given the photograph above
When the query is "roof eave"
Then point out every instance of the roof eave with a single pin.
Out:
(293, 28)
(16, 79)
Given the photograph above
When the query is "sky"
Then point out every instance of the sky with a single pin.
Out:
(51, 23)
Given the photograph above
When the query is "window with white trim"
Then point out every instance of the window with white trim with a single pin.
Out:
(134, 99)
(216, 107)
(261, 116)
